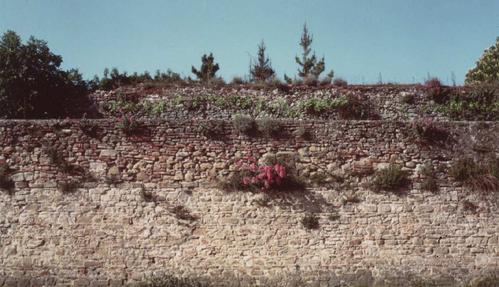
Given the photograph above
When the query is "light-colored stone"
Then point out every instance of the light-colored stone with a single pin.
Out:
(108, 153)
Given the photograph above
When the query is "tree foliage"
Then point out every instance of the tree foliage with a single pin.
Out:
(208, 68)
(31, 83)
(310, 66)
(114, 79)
(487, 67)
(262, 69)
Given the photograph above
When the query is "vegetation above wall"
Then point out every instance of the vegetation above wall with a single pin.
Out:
(32, 85)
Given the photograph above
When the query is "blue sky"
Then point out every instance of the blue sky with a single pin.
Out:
(403, 40)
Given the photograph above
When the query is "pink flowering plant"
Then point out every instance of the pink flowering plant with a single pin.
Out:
(249, 175)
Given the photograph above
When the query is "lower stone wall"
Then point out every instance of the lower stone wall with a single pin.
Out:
(111, 235)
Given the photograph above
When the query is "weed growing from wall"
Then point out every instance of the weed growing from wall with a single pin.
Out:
(69, 186)
(212, 129)
(428, 130)
(89, 128)
(429, 182)
(269, 127)
(483, 177)
(244, 124)
(6, 183)
(147, 196)
(392, 178)
(128, 125)
(183, 213)
(310, 221)
(303, 133)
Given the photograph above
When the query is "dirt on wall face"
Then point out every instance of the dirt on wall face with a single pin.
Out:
(93, 205)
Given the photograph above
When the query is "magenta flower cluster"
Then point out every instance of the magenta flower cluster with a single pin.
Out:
(264, 177)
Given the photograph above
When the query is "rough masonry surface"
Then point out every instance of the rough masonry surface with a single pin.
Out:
(108, 232)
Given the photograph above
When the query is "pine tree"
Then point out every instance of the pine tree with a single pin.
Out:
(310, 67)
(487, 68)
(208, 69)
(262, 69)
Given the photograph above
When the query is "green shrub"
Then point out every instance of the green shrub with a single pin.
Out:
(463, 169)
(429, 182)
(429, 131)
(269, 127)
(128, 125)
(322, 106)
(123, 105)
(195, 103)
(392, 178)
(244, 124)
(211, 129)
(235, 102)
(303, 133)
(310, 221)
(154, 109)
(280, 107)
(479, 102)
(482, 177)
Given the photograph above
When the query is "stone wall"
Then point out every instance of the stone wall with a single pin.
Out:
(125, 220)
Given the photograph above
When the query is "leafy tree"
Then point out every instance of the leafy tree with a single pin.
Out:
(487, 67)
(309, 65)
(31, 83)
(115, 78)
(208, 69)
(262, 69)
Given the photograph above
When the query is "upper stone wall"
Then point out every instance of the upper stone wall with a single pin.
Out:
(174, 152)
